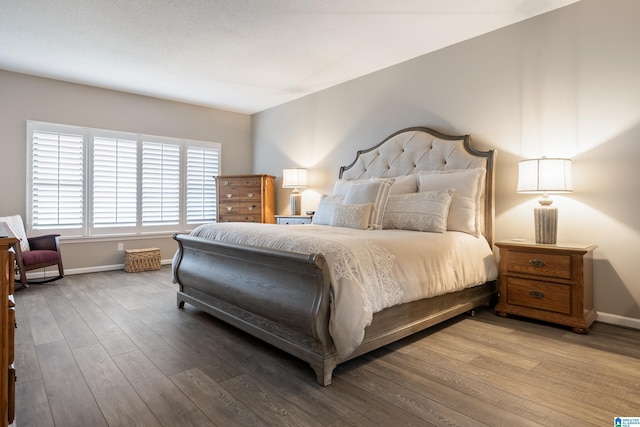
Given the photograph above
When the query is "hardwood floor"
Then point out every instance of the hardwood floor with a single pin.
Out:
(112, 349)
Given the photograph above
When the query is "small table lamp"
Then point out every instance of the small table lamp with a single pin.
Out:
(294, 178)
(545, 175)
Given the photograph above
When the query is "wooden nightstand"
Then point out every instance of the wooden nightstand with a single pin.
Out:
(553, 283)
(293, 219)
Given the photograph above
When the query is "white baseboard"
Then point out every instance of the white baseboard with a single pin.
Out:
(53, 272)
(614, 319)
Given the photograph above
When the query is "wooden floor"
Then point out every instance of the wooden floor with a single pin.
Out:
(112, 349)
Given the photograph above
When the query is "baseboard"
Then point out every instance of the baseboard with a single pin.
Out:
(614, 319)
(71, 271)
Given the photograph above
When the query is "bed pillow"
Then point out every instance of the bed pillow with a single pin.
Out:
(341, 186)
(425, 211)
(404, 184)
(352, 216)
(324, 211)
(376, 192)
(465, 210)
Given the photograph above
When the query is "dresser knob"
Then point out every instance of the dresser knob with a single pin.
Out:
(251, 207)
(537, 294)
(250, 195)
(225, 182)
(229, 195)
(536, 262)
(229, 208)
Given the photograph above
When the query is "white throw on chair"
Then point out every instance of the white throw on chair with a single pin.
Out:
(34, 252)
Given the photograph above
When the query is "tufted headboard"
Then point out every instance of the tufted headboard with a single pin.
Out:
(418, 148)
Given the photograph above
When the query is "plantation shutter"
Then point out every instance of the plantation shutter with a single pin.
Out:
(160, 183)
(114, 182)
(203, 164)
(57, 177)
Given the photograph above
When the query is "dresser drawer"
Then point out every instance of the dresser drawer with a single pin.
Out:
(240, 208)
(540, 295)
(539, 264)
(240, 194)
(239, 218)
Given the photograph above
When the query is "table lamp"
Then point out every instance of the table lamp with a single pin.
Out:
(294, 178)
(545, 175)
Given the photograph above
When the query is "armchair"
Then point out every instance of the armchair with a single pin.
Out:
(34, 252)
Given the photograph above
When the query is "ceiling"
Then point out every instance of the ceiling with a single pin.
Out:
(237, 55)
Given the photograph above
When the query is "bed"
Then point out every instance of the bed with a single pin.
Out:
(417, 194)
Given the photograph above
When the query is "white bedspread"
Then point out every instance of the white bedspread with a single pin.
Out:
(372, 270)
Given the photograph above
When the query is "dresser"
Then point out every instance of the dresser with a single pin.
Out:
(245, 198)
(7, 326)
(553, 283)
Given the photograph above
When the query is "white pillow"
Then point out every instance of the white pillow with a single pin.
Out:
(324, 211)
(352, 216)
(376, 192)
(405, 184)
(465, 210)
(341, 186)
(425, 211)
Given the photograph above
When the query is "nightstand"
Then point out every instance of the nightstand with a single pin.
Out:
(553, 283)
(293, 219)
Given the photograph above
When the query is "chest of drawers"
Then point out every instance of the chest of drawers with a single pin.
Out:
(245, 198)
(552, 283)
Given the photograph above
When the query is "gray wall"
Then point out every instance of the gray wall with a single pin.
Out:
(566, 83)
(25, 98)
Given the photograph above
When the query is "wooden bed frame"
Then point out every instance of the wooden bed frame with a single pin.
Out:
(284, 298)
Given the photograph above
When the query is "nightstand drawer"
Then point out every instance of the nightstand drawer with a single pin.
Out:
(540, 295)
(539, 264)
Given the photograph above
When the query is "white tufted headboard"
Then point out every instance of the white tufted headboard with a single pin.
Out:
(416, 149)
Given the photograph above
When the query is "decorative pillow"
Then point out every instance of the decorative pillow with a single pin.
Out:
(376, 192)
(404, 184)
(324, 211)
(352, 216)
(426, 211)
(465, 210)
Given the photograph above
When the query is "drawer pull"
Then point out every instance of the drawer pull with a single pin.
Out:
(229, 208)
(537, 294)
(229, 195)
(251, 207)
(536, 262)
(250, 195)
(225, 182)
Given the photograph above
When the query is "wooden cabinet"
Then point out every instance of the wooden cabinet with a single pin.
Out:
(7, 326)
(552, 283)
(245, 198)
(293, 219)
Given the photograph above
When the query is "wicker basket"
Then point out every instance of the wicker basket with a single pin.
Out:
(136, 260)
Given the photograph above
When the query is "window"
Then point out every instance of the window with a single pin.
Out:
(94, 182)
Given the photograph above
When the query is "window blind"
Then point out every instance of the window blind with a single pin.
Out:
(115, 162)
(160, 183)
(202, 166)
(57, 176)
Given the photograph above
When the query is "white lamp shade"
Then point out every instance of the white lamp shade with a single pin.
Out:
(294, 178)
(544, 175)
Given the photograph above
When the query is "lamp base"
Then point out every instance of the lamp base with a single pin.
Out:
(295, 201)
(546, 221)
